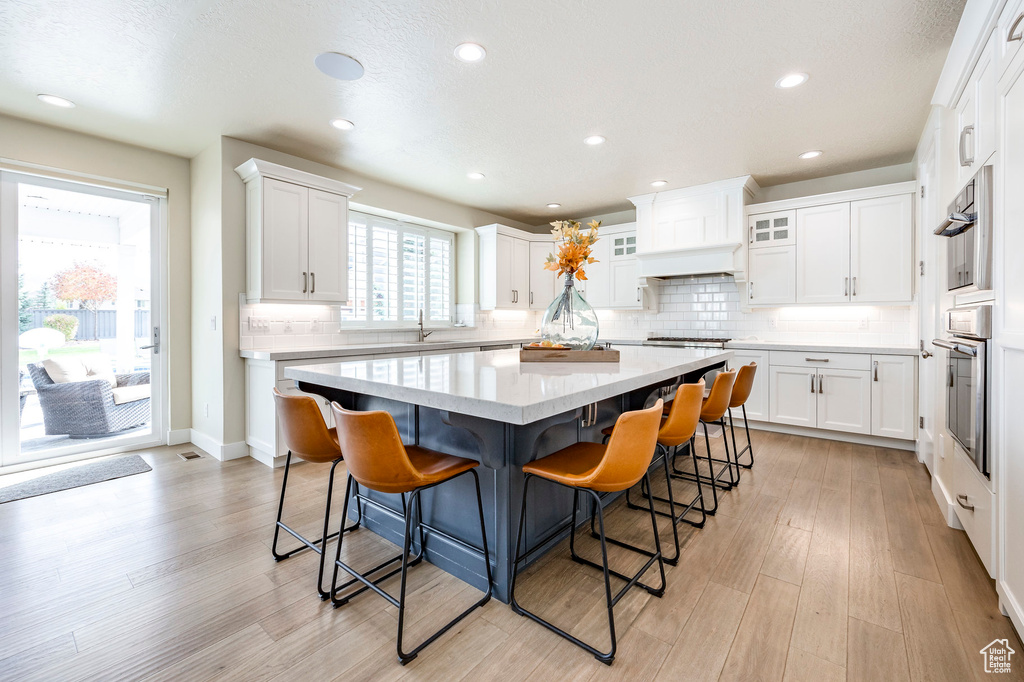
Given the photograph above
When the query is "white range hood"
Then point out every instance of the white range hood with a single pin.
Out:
(694, 230)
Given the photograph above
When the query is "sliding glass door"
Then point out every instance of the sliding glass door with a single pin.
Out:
(79, 339)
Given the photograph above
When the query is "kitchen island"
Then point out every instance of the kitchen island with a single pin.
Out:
(489, 407)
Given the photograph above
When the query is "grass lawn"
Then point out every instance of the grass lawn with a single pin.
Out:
(74, 348)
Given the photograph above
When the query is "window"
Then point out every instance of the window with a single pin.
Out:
(397, 269)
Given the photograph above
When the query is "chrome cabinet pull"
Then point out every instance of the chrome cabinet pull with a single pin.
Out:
(312, 278)
(964, 161)
(962, 501)
(816, 359)
(750, 287)
(531, 298)
(854, 292)
(821, 383)
(305, 282)
(876, 370)
(846, 286)
(812, 383)
(638, 294)
(1010, 37)
(751, 234)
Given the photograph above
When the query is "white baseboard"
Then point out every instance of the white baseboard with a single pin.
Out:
(1009, 604)
(266, 458)
(221, 451)
(859, 438)
(179, 436)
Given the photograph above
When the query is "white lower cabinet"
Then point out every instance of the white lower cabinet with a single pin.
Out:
(973, 503)
(793, 399)
(893, 396)
(851, 392)
(757, 402)
(844, 400)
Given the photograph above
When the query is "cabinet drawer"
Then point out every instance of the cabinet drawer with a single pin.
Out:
(967, 491)
(1011, 25)
(821, 360)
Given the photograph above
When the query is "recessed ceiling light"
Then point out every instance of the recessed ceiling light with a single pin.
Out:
(553, 205)
(659, 183)
(593, 140)
(470, 52)
(343, 124)
(813, 154)
(475, 176)
(792, 80)
(340, 66)
(57, 101)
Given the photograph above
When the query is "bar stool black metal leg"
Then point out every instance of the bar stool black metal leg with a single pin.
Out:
(749, 447)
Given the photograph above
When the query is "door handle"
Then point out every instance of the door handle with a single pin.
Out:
(312, 277)
(305, 282)
(846, 286)
(876, 370)
(924, 354)
(155, 346)
(1010, 37)
(962, 501)
(821, 383)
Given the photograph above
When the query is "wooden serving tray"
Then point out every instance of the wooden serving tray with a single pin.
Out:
(528, 354)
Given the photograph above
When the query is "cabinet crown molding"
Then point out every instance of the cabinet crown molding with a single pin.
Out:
(876, 192)
(744, 182)
(258, 168)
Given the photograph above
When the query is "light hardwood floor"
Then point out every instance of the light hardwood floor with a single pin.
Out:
(829, 562)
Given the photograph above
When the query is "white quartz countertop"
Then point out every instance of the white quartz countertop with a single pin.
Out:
(313, 353)
(495, 385)
(822, 347)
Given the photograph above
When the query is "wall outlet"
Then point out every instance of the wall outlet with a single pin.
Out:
(206, 409)
(213, 323)
(314, 325)
(773, 323)
(287, 326)
(863, 323)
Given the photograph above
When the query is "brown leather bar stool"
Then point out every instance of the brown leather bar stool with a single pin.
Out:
(740, 393)
(378, 460)
(677, 428)
(593, 468)
(713, 412)
(307, 437)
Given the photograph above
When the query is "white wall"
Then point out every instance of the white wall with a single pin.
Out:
(34, 143)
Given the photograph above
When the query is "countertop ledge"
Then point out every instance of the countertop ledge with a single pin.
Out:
(393, 347)
(822, 347)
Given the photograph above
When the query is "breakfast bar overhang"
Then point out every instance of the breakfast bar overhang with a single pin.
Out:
(490, 407)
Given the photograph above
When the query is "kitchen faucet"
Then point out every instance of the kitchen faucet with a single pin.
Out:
(423, 334)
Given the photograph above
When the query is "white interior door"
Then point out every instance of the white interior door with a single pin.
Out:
(930, 275)
(823, 254)
(81, 372)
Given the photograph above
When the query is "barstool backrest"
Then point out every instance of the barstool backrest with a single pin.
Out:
(684, 416)
(721, 394)
(629, 450)
(303, 428)
(744, 384)
(374, 453)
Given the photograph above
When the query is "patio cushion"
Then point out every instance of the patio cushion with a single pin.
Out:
(129, 394)
(65, 370)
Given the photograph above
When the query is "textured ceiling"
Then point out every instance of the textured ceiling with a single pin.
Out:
(682, 90)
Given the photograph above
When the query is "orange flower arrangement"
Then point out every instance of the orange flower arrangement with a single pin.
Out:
(574, 248)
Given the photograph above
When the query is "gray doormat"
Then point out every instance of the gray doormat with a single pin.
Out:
(86, 474)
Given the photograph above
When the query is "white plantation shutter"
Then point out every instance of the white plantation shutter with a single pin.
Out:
(397, 269)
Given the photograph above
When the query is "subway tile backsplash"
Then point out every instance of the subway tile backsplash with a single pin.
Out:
(691, 306)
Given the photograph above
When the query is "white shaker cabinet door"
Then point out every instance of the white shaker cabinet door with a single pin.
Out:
(771, 275)
(793, 399)
(542, 282)
(504, 292)
(823, 254)
(882, 249)
(328, 247)
(893, 384)
(757, 401)
(625, 293)
(597, 288)
(285, 241)
(520, 273)
(844, 400)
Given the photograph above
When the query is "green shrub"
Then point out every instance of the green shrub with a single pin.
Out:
(65, 324)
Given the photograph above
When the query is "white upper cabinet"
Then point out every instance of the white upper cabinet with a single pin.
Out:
(543, 283)
(976, 117)
(296, 235)
(597, 288)
(854, 246)
(771, 276)
(504, 268)
(1009, 35)
(882, 249)
(823, 254)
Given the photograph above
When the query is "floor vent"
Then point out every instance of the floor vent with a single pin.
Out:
(189, 455)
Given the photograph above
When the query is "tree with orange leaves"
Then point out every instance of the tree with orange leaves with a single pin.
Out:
(87, 285)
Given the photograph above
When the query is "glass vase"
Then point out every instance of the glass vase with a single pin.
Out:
(570, 320)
